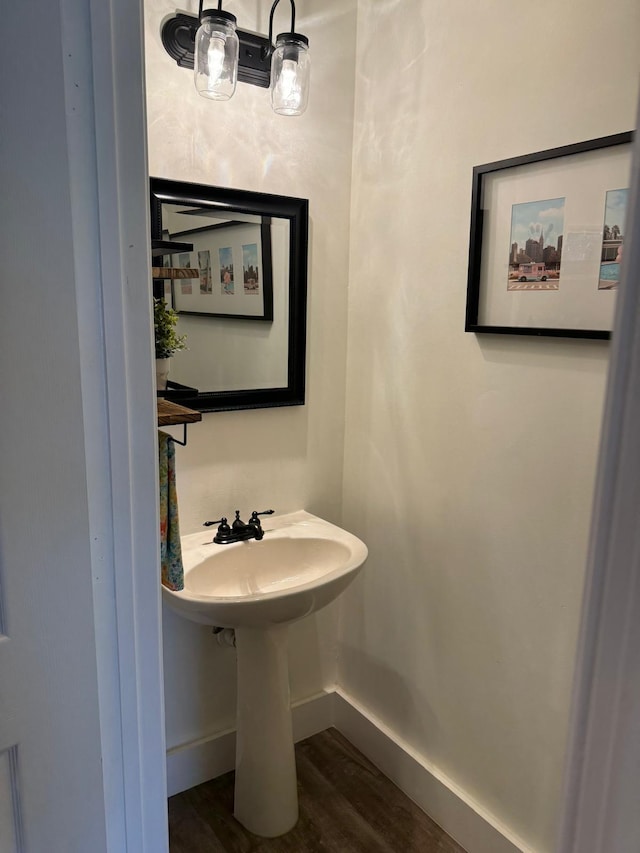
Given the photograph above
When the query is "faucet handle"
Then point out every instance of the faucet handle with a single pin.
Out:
(224, 531)
(254, 515)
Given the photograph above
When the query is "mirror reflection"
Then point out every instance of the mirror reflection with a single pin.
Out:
(236, 333)
(236, 276)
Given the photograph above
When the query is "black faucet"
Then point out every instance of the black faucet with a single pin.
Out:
(239, 531)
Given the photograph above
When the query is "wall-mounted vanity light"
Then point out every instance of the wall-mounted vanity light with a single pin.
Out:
(221, 54)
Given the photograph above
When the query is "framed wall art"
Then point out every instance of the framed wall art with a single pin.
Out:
(235, 277)
(547, 240)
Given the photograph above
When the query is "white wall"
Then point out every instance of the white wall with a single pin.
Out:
(287, 458)
(470, 460)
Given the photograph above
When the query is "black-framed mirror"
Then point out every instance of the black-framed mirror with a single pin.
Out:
(237, 277)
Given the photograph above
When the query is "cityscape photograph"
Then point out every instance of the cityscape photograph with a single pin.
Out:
(536, 245)
(615, 209)
(250, 269)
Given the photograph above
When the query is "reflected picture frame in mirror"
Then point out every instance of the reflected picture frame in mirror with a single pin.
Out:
(237, 225)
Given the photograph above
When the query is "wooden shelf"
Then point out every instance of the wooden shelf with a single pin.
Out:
(159, 248)
(172, 413)
(174, 272)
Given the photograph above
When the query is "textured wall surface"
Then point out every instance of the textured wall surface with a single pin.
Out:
(287, 458)
(470, 460)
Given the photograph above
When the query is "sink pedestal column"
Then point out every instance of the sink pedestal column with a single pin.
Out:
(266, 796)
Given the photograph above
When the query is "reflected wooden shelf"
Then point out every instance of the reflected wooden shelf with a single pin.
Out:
(174, 272)
(172, 413)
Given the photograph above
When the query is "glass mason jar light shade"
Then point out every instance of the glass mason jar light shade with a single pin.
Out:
(290, 67)
(216, 57)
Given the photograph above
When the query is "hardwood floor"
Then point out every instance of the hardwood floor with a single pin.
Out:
(346, 806)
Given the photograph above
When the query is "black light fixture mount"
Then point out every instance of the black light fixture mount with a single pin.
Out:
(178, 33)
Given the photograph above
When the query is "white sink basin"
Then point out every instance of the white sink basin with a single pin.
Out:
(301, 565)
(258, 588)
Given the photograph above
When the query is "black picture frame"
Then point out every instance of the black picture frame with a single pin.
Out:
(210, 232)
(493, 179)
(265, 205)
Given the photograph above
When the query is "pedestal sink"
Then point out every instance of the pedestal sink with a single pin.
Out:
(259, 588)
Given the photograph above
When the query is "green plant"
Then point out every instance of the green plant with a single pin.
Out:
(164, 320)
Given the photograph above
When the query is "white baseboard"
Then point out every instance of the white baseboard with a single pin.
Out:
(450, 807)
(445, 803)
(198, 761)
